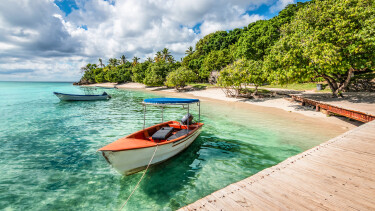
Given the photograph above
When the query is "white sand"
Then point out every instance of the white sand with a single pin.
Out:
(105, 85)
(131, 85)
(276, 102)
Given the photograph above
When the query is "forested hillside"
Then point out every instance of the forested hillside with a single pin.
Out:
(318, 40)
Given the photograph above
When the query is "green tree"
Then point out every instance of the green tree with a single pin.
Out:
(233, 76)
(260, 36)
(170, 59)
(158, 56)
(215, 60)
(329, 39)
(100, 77)
(149, 59)
(123, 59)
(241, 73)
(123, 74)
(88, 67)
(166, 54)
(139, 71)
(189, 51)
(135, 60)
(156, 73)
(113, 62)
(179, 77)
(255, 74)
(101, 63)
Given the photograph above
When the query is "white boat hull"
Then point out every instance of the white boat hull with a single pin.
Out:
(131, 161)
(66, 97)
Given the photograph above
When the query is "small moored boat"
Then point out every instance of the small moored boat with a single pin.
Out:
(73, 97)
(134, 152)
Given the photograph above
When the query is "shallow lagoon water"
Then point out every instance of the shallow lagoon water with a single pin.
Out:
(49, 158)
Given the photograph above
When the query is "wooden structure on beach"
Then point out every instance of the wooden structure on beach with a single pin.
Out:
(357, 115)
(336, 175)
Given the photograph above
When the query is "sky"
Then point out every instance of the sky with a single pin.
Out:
(50, 40)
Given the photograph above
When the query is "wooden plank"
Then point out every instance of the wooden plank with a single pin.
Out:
(352, 183)
(357, 115)
(336, 175)
(248, 200)
(346, 159)
(302, 197)
(309, 190)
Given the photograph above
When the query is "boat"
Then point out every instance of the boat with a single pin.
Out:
(73, 97)
(154, 144)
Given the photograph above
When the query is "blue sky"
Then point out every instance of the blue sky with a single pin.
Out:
(50, 40)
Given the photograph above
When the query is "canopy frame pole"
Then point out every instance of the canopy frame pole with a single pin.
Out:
(144, 116)
(188, 118)
(162, 114)
(199, 108)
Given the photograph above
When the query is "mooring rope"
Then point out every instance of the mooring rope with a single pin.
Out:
(144, 173)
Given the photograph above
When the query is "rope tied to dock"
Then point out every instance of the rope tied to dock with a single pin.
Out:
(144, 173)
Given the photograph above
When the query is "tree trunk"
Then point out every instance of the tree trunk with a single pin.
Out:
(346, 82)
(331, 84)
(256, 91)
(337, 88)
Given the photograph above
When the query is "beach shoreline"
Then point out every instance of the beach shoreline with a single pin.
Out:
(276, 105)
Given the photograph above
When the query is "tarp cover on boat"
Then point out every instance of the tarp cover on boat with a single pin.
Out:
(170, 101)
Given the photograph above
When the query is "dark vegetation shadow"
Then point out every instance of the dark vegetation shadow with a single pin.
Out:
(158, 88)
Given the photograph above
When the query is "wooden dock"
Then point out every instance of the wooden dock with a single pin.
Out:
(336, 175)
(352, 114)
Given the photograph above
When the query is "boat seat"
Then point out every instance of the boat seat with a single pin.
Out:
(163, 133)
(179, 134)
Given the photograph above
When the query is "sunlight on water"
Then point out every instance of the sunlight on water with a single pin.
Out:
(49, 158)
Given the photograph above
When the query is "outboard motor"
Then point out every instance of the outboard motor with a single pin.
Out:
(187, 119)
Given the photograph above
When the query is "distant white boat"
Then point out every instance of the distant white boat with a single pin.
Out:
(73, 97)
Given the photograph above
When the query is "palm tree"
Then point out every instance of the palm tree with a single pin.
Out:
(166, 54)
(149, 59)
(113, 62)
(135, 60)
(101, 63)
(189, 50)
(158, 56)
(170, 59)
(88, 67)
(123, 59)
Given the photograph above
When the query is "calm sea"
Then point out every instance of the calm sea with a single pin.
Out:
(49, 158)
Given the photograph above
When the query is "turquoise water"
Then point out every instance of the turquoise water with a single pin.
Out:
(49, 158)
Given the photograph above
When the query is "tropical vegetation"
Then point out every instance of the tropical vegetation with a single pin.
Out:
(180, 77)
(319, 40)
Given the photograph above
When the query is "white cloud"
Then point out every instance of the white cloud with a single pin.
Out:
(212, 26)
(281, 4)
(37, 36)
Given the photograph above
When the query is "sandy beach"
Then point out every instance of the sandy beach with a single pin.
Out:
(278, 105)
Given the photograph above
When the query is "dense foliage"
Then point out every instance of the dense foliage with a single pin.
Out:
(329, 39)
(157, 72)
(179, 77)
(241, 73)
(312, 41)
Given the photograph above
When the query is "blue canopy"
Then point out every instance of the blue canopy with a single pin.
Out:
(170, 101)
